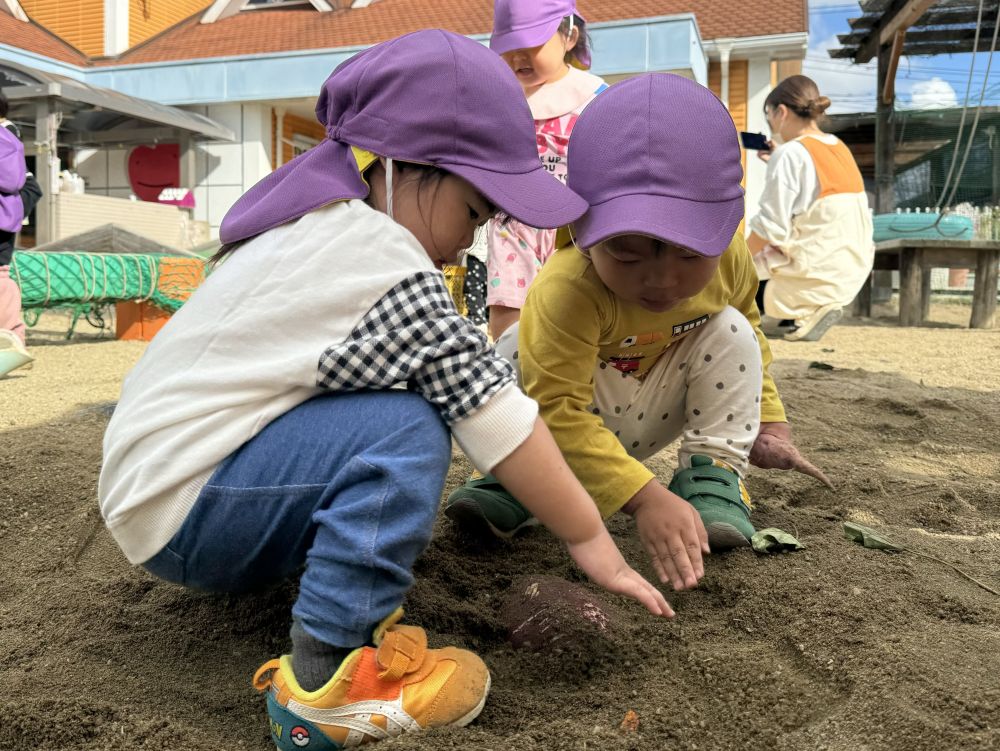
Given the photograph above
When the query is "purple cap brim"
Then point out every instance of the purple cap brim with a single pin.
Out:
(662, 217)
(536, 36)
(535, 198)
(526, 37)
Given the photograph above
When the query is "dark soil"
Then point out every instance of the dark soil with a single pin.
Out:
(835, 647)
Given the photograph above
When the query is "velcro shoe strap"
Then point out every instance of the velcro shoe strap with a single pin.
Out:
(716, 481)
(402, 651)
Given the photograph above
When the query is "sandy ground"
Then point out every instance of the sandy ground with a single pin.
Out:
(835, 647)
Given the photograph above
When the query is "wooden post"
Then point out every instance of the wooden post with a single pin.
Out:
(46, 169)
(888, 92)
(925, 293)
(991, 131)
(984, 297)
(863, 302)
(188, 162)
(888, 58)
(910, 286)
(885, 200)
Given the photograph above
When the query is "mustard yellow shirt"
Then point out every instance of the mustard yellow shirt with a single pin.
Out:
(570, 321)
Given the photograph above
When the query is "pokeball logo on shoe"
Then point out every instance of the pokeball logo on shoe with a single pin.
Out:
(299, 736)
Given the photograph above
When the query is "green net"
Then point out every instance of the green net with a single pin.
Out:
(49, 280)
(939, 158)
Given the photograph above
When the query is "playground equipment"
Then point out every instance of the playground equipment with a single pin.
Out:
(145, 287)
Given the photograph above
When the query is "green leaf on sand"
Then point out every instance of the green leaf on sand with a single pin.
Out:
(868, 537)
(773, 540)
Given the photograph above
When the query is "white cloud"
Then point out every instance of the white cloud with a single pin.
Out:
(933, 94)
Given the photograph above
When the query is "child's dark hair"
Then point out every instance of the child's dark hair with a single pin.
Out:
(801, 95)
(583, 43)
(4, 105)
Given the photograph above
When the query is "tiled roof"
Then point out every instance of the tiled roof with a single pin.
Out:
(263, 31)
(34, 38)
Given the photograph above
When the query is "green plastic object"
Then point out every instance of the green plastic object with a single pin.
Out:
(49, 280)
(927, 225)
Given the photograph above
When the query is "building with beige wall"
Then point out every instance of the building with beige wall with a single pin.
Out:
(254, 67)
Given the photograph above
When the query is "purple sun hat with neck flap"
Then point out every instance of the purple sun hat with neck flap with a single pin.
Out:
(430, 97)
(658, 155)
(523, 24)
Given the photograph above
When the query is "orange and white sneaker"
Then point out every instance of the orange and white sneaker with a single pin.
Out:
(399, 686)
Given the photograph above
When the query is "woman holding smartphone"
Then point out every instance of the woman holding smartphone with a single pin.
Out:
(812, 235)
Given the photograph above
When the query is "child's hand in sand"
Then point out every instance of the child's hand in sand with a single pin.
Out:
(672, 533)
(601, 560)
(774, 449)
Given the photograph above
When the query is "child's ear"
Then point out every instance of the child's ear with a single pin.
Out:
(572, 38)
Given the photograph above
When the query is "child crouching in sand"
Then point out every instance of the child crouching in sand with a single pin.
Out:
(645, 329)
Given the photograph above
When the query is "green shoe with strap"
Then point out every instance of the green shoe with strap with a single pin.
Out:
(720, 498)
(482, 506)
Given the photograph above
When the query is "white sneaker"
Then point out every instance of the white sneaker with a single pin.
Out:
(813, 328)
(13, 355)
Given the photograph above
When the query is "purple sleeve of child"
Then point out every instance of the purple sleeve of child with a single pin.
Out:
(12, 165)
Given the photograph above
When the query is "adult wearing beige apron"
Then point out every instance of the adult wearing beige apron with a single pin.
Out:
(812, 235)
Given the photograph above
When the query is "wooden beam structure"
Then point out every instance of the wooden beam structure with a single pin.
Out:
(899, 16)
(887, 30)
(932, 26)
(889, 90)
(902, 19)
(885, 160)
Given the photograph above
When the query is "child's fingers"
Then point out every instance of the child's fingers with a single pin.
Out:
(699, 527)
(659, 553)
(654, 557)
(693, 546)
(661, 573)
(650, 596)
(680, 555)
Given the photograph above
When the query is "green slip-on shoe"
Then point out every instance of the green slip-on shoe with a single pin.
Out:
(483, 506)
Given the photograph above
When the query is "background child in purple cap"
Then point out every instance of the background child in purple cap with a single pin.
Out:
(305, 418)
(545, 43)
(645, 329)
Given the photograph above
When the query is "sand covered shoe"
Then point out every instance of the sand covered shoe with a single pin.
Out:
(718, 495)
(484, 507)
(398, 686)
(13, 355)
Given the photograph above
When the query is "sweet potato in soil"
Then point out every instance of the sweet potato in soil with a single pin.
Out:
(546, 613)
(835, 647)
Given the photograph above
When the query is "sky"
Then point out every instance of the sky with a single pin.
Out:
(921, 82)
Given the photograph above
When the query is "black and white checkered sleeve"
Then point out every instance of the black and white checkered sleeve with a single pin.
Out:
(415, 335)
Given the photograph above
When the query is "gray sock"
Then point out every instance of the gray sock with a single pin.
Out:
(313, 661)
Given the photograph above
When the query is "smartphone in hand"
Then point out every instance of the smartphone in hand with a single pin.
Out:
(754, 141)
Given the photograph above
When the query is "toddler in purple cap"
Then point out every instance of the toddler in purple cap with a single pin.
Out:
(299, 423)
(545, 43)
(644, 330)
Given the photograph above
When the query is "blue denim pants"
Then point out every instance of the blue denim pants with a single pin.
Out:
(346, 483)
